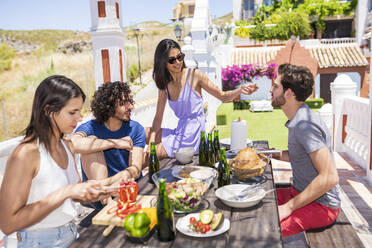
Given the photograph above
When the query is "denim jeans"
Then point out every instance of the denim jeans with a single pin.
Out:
(60, 237)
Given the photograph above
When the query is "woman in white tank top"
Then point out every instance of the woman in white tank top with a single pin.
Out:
(41, 181)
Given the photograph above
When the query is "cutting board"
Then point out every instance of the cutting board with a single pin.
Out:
(102, 218)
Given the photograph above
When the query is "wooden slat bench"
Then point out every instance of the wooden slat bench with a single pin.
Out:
(339, 234)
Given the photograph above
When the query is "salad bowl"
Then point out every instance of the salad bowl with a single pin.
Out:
(186, 194)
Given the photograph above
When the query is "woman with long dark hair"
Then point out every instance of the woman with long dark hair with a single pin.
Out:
(182, 87)
(41, 178)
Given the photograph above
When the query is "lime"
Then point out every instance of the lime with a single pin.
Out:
(140, 232)
(142, 220)
(129, 222)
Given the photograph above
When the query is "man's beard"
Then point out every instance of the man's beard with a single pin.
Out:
(278, 101)
(125, 117)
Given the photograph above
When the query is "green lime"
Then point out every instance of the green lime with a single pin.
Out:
(129, 222)
(142, 220)
(140, 232)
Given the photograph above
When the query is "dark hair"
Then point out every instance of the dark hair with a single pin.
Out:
(160, 74)
(51, 95)
(297, 78)
(105, 99)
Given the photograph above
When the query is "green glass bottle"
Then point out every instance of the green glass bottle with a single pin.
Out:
(153, 162)
(202, 151)
(165, 214)
(216, 145)
(223, 170)
(210, 151)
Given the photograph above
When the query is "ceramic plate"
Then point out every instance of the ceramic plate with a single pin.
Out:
(227, 142)
(183, 227)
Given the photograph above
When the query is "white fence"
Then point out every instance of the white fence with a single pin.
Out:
(357, 129)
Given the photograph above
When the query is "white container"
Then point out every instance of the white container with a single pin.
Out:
(239, 133)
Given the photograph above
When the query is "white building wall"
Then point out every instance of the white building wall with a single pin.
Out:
(107, 33)
(360, 19)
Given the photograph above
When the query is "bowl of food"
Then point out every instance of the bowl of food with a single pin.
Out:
(204, 174)
(184, 155)
(226, 195)
(247, 164)
(186, 194)
(201, 173)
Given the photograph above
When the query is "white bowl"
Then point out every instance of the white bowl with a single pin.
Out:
(206, 174)
(224, 194)
(184, 155)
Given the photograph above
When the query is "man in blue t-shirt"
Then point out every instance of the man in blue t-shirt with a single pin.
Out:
(313, 199)
(114, 141)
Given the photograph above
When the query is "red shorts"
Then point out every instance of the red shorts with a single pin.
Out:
(313, 215)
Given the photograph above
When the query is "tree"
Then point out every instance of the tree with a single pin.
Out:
(318, 10)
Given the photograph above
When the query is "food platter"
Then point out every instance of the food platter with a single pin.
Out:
(182, 226)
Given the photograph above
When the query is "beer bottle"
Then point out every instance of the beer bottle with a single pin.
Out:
(164, 214)
(153, 162)
(202, 150)
(216, 145)
(223, 170)
(210, 151)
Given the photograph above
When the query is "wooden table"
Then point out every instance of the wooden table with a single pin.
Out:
(260, 229)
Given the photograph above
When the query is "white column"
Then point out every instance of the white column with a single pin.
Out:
(202, 43)
(237, 9)
(188, 50)
(107, 32)
(341, 88)
(360, 19)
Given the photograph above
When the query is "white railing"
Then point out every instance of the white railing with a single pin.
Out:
(357, 130)
(338, 41)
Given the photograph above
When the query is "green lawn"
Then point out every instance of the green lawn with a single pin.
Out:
(261, 125)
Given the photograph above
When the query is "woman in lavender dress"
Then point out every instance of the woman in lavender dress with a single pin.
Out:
(182, 87)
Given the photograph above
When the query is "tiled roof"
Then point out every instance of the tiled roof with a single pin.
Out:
(256, 55)
(327, 55)
(338, 56)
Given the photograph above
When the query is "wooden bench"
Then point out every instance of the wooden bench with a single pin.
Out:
(339, 234)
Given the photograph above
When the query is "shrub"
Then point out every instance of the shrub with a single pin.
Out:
(241, 105)
(132, 73)
(6, 57)
(234, 75)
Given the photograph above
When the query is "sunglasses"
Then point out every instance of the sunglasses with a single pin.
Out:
(179, 57)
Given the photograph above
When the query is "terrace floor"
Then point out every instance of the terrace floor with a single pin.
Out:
(355, 193)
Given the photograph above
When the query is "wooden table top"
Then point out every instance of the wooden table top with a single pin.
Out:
(260, 229)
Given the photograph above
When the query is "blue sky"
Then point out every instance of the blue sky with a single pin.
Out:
(75, 14)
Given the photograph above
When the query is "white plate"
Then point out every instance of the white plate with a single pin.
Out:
(224, 194)
(227, 141)
(183, 227)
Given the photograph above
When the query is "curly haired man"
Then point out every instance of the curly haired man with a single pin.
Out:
(115, 141)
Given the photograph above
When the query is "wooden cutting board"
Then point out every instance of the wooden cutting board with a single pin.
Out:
(102, 218)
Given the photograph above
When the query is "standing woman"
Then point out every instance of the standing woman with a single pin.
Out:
(182, 87)
(41, 177)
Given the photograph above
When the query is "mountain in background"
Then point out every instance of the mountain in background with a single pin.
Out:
(69, 41)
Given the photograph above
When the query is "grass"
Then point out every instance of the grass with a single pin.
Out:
(261, 125)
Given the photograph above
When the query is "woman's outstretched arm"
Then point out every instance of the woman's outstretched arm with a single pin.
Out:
(224, 96)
